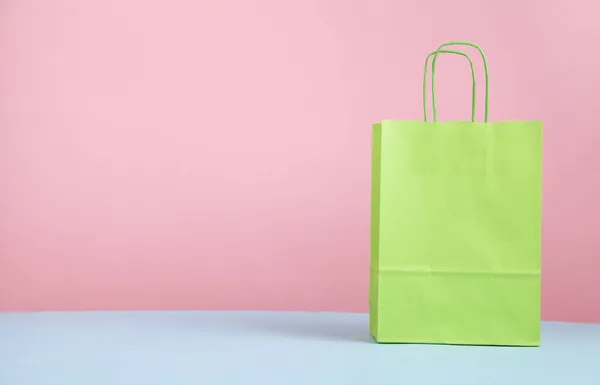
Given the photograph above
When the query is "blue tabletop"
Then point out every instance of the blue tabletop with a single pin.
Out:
(283, 348)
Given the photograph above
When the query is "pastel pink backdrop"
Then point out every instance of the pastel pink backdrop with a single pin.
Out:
(216, 154)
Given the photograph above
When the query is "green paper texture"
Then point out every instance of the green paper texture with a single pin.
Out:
(456, 230)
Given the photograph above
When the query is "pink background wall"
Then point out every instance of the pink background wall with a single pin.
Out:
(215, 154)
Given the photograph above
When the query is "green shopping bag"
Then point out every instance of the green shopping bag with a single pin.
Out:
(456, 229)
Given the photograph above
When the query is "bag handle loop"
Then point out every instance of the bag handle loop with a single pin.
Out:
(484, 65)
(474, 92)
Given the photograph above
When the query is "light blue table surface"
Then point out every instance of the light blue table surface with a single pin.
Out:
(283, 348)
